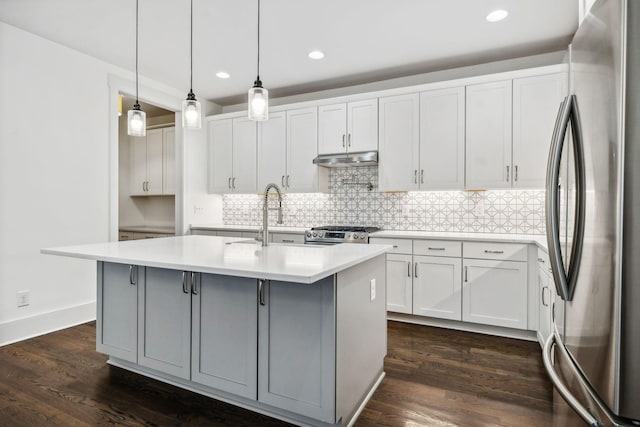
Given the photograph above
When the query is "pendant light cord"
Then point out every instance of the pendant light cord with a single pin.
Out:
(258, 73)
(136, 51)
(191, 54)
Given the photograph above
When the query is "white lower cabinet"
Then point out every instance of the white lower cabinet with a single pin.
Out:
(399, 283)
(297, 348)
(546, 292)
(494, 293)
(225, 333)
(437, 287)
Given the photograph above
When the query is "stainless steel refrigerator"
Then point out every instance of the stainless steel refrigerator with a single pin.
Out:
(593, 224)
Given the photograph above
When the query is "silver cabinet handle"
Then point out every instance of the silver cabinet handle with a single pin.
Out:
(408, 268)
(549, 345)
(435, 249)
(343, 144)
(543, 301)
(349, 140)
(541, 260)
(261, 291)
(184, 282)
(288, 176)
(132, 275)
(415, 269)
(421, 176)
(507, 173)
(229, 183)
(233, 182)
(515, 173)
(143, 186)
(415, 176)
(287, 241)
(466, 273)
(486, 251)
(282, 180)
(194, 285)
(395, 246)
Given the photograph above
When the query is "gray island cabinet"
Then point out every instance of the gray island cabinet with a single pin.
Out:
(309, 352)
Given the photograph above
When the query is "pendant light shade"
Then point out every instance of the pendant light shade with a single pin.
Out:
(258, 96)
(191, 110)
(136, 118)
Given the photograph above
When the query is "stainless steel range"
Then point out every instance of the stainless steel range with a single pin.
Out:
(334, 234)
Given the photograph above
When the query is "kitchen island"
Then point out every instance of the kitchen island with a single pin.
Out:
(296, 332)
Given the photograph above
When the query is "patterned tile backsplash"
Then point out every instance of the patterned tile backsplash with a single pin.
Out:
(349, 202)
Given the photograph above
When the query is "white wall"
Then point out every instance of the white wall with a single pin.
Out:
(58, 175)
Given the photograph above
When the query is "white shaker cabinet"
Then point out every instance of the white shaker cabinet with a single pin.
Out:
(535, 105)
(117, 317)
(488, 135)
(164, 319)
(153, 160)
(437, 287)
(442, 139)
(400, 283)
(348, 127)
(399, 142)
(272, 150)
(232, 155)
(546, 291)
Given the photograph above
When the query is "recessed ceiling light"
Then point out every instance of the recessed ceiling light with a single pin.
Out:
(222, 75)
(316, 54)
(497, 15)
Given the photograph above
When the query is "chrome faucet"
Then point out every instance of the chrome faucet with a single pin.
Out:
(265, 212)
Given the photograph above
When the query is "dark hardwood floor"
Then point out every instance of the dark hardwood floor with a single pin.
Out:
(435, 377)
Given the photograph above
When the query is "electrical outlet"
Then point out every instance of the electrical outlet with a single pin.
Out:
(373, 289)
(22, 298)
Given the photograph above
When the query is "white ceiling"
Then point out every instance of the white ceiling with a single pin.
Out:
(364, 40)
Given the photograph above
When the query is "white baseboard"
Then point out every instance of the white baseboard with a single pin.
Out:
(44, 323)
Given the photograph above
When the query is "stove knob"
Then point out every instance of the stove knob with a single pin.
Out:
(362, 236)
(308, 234)
(315, 234)
(320, 234)
(355, 235)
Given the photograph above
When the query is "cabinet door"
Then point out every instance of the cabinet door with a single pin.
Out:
(544, 305)
(117, 317)
(302, 148)
(169, 168)
(287, 238)
(154, 161)
(399, 283)
(437, 287)
(332, 128)
(399, 143)
(535, 104)
(362, 126)
(296, 348)
(220, 141)
(272, 150)
(488, 135)
(164, 318)
(495, 293)
(442, 139)
(244, 156)
(225, 334)
(138, 165)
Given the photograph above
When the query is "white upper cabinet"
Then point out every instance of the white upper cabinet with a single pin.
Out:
(153, 160)
(488, 135)
(232, 155)
(302, 148)
(535, 105)
(272, 150)
(350, 127)
(442, 137)
(399, 143)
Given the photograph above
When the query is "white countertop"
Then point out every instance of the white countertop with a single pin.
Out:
(148, 229)
(540, 241)
(273, 228)
(219, 255)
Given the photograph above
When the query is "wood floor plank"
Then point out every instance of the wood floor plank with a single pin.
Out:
(435, 377)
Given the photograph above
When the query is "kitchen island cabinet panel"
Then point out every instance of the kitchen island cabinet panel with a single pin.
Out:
(117, 318)
(225, 334)
(164, 318)
(296, 348)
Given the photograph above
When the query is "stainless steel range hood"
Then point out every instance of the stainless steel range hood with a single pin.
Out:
(364, 158)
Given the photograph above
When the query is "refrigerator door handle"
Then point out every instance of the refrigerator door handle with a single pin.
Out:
(552, 205)
(549, 345)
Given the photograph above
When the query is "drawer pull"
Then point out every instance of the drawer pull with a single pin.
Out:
(395, 246)
(541, 260)
(287, 241)
(486, 251)
(435, 249)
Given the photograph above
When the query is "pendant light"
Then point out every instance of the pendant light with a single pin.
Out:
(191, 110)
(136, 118)
(258, 96)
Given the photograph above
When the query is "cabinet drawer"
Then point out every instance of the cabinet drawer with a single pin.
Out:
(437, 248)
(287, 238)
(124, 235)
(490, 250)
(400, 246)
(543, 261)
